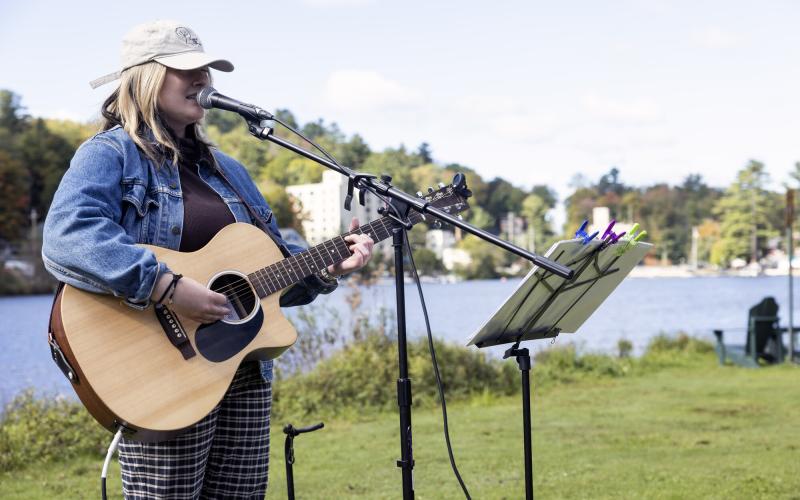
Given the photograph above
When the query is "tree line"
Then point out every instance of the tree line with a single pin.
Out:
(743, 220)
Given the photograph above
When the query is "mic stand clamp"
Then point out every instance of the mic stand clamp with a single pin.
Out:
(260, 129)
(353, 180)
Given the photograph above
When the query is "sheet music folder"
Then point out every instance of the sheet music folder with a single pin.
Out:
(545, 305)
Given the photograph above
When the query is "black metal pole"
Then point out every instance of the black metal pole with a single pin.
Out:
(524, 362)
(525, 366)
(406, 462)
(288, 453)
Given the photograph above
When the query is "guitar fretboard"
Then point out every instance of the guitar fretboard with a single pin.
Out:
(292, 269)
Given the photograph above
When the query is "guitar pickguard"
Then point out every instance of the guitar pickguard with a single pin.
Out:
(221, 341)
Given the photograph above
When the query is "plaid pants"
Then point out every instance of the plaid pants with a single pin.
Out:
(225, 455)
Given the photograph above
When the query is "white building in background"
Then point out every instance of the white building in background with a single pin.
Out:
(601, 218)
(322, 207)
(452, 257)
(438, 240)
(513, 228)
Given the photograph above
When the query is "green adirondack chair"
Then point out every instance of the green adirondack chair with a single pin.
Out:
(763, 344)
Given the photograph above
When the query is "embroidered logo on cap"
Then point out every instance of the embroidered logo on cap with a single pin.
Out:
(188, 36)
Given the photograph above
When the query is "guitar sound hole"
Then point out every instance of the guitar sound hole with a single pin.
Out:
(242, 300)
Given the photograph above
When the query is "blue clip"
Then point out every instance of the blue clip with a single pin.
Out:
(581, 233)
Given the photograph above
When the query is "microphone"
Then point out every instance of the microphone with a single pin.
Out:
(209, 98)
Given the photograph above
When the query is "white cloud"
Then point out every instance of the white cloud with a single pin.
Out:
(337, 3)
(714, 37)
(504, 116)
(637, 111)
(523, 126)
(355, 90)
(60, 114)
(483, 104)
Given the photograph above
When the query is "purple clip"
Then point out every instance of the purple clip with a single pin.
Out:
(609, 229)
(613, 237)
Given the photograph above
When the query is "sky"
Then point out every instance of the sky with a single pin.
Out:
(534, 92)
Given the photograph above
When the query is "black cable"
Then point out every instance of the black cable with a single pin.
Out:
(435, 368)
(321, 150)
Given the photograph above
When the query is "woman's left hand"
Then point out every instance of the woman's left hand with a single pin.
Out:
(360, 246)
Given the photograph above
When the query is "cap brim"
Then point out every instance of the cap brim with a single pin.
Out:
(194, 60)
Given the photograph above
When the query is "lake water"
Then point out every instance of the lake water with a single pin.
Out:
(639, 309)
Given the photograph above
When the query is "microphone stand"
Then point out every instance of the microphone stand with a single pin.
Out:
(402, 203)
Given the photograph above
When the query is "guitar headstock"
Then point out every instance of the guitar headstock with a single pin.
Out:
(450, 198)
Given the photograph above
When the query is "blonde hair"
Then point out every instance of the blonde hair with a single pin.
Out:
(134, 107)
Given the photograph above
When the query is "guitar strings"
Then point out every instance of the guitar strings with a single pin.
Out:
(243, 285)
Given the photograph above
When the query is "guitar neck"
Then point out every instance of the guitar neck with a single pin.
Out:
(293, 269)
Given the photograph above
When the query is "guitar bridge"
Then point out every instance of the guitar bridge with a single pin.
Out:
(174, 331)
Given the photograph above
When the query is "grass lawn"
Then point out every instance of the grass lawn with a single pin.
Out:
(698, 431)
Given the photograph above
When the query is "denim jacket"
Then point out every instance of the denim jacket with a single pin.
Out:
(113, 196)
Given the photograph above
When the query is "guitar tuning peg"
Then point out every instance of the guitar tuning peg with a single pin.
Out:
(419, 194)
(437, 224)
(430, 190)
(460, 218)
(441, 185)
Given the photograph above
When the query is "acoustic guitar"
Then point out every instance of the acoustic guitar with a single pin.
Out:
(154, 375)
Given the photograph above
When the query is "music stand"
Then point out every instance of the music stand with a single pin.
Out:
(545, 305)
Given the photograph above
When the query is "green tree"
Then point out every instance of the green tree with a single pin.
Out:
(579, 207)
(14, 196)
(283, 208)
(224, 121)
(745, 216)
(46, 157)
(353, 153)
(535, 210)
(486, 259)
(480, 218)
(428, 264)
(503, 197)
(396, 163)
(424, 153)
(32, 162)
(12, 114)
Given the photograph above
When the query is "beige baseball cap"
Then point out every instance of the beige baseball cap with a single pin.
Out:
(167, 42)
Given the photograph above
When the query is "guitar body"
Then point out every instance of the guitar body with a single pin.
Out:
(128, 371)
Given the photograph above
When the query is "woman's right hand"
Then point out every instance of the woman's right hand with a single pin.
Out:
(193, 301)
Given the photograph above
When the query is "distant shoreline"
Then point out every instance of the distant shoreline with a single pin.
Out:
(638, 272)
(688, 272)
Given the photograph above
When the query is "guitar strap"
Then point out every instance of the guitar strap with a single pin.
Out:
(257, 220)
(55, 349)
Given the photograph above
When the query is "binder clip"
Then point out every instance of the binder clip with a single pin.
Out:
(582, 234)
(609, 236)
(631, 240)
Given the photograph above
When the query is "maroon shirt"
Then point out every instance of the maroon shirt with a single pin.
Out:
(204, 211)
